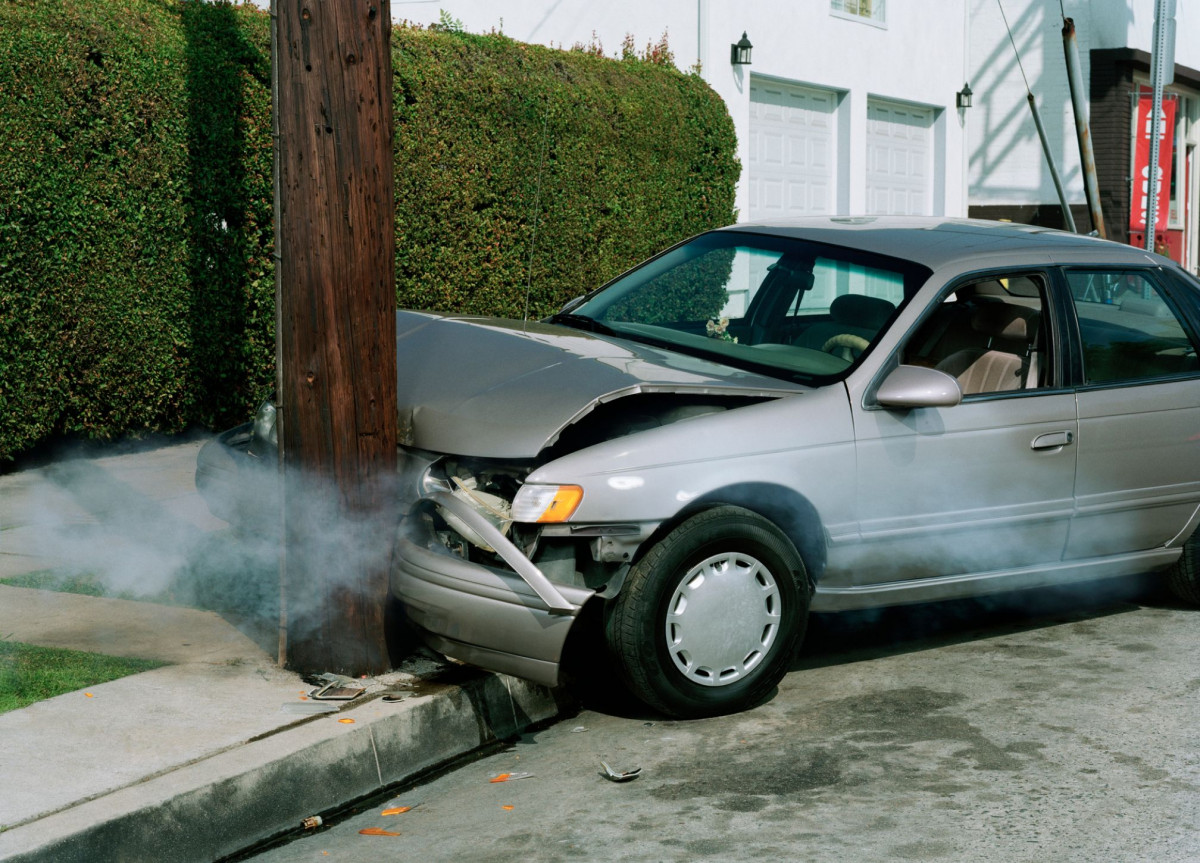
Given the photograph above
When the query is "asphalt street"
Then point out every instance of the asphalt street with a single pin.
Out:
(1041, 727)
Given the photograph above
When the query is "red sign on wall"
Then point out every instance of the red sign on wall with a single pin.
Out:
(1141, 165)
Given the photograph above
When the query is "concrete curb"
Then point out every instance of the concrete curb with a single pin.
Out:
(221, 805)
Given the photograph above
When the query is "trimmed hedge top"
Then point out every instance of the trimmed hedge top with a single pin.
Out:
(136, 271)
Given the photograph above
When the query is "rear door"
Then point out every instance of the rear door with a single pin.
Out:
(1138, 482)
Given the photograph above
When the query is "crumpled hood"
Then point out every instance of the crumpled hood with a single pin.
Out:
(502, 389)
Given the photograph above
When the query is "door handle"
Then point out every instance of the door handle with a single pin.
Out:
(1053, 440)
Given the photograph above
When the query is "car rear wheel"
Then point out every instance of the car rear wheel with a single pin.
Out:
(1183, 578)
(707, 622)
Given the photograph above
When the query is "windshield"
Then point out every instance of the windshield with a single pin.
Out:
(787, 308)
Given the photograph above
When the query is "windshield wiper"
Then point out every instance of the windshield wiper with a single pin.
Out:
(582, 322)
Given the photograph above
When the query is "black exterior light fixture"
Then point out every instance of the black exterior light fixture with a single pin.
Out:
(739, 52)
(963, 97)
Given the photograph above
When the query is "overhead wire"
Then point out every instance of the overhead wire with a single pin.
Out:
(1014, 46)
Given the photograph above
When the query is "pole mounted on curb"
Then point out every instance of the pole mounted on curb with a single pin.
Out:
(335, 328)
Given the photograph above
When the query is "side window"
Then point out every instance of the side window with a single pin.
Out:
(1128, 330)
(988, 335)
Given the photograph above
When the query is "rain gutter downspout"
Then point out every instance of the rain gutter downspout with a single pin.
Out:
(1087, 157)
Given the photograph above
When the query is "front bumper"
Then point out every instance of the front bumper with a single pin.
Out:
(511, 621)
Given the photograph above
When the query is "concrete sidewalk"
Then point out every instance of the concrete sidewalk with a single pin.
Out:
(220, 749)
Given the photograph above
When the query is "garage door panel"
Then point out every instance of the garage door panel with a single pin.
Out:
(792, 150)
(772, 149)
(900, 159)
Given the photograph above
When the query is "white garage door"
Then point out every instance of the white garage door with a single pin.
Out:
(899, 159)
(792, 150)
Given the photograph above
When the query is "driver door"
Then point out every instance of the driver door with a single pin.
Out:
(983, 486)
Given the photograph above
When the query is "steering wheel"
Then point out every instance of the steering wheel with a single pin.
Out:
(846, 346)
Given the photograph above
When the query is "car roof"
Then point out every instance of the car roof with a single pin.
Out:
(938, 242)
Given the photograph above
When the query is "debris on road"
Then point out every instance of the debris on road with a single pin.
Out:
(618, 775)
(312, 822)
(337, 691)
(510, 777)
(399, 810)
(378, 831)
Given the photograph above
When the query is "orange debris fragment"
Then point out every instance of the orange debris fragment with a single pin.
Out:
(399, 810)
(346, 721)
(377, 831)
(509, 777)
(508, 808)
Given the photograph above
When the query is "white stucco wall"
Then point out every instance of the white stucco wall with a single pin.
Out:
(1007, 164)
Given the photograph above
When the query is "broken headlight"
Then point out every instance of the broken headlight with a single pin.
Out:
(546, 504)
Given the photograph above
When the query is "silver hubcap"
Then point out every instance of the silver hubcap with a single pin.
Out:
(722, 619)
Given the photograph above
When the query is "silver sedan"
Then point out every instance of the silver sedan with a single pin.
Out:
(778, 418)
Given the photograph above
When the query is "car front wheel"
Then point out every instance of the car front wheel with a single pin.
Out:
(708, 620)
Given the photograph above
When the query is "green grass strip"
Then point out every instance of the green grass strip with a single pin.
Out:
(29, 674)
(48, 579)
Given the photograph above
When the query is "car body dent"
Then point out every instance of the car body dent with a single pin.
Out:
(650, 476)
(482, 614)
(526, 383)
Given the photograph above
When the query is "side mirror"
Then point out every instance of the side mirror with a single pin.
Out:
(918, 387)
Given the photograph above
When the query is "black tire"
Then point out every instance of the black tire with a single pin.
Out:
(1183, 578)
(705, 569)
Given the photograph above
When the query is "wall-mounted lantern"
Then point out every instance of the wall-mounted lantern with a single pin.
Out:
(963, 97)
(739, 52)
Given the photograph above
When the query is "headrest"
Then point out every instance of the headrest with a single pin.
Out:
(1003, 321)
(861, 311)
(1155, 308)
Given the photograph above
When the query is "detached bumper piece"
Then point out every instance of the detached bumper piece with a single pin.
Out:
(511, 621)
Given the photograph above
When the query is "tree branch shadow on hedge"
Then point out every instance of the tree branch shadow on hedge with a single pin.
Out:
(224, 230)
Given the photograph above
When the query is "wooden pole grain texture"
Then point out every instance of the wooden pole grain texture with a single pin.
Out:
(336, 339)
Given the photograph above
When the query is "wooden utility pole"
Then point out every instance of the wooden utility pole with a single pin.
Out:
(336, 327)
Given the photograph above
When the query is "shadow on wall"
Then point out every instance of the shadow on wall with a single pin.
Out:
(1007, 129)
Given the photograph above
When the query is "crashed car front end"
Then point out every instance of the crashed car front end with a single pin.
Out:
(492, 568)
(467, 577)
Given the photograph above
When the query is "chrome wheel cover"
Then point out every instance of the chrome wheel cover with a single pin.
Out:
(722, 619)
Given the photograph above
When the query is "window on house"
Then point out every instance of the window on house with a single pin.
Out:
(870, 10)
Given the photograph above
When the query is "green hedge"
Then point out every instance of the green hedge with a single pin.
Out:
(136, 273)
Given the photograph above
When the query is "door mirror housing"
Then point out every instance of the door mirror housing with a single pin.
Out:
(918, 387)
